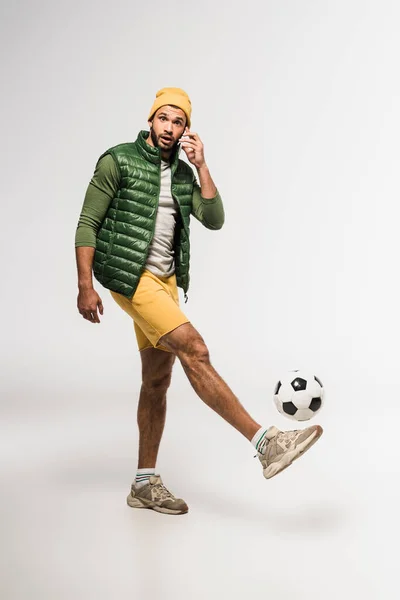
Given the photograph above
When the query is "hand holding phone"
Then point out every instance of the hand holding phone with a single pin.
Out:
(193, 147)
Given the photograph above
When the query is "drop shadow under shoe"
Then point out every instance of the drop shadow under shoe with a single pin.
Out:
(154, 495)
(283, 447)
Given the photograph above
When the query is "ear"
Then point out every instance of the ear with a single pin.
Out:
(150, 124)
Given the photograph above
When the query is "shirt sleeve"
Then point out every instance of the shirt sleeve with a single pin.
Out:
(101, 190)
(210, 212)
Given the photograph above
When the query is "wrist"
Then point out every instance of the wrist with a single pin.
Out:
(85, 286)
(203, 167)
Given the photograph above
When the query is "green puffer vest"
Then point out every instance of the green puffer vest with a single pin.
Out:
(125, 235)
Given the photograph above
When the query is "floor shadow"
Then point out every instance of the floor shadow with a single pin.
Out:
(106, 471)
(301, 520)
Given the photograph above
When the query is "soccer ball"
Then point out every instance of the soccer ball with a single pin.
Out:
(299, 395)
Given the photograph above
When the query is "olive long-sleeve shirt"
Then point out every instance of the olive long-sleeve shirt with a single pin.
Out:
(103, 188)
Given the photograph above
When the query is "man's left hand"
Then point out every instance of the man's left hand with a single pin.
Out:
(193, 147)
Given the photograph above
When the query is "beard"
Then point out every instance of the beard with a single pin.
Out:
(156, 143)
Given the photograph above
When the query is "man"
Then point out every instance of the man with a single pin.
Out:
(133, 232)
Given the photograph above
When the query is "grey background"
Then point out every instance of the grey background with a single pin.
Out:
(297, 105)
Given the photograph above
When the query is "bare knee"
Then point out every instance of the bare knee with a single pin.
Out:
(157, 384)
(193, 353)
(188, 345)
(157, 372)
(156, 381)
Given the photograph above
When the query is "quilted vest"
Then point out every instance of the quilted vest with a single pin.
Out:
(124, 238)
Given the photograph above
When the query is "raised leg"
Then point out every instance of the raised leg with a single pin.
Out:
(188, 345)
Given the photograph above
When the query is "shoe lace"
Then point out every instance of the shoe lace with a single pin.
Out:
(161, 492)
(289, 435)
(285, 438)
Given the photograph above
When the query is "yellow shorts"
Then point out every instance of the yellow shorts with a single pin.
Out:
(154, 309)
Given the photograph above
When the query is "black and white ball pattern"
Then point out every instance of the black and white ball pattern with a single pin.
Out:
(299, 395)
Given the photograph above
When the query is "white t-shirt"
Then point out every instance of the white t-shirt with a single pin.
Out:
(160, 260)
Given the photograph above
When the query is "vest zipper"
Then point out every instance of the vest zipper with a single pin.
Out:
(186, 297)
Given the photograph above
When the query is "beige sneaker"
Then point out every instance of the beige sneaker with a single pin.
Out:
(155, 495)
(284, 447)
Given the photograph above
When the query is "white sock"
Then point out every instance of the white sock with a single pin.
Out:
(260, 441)
(143, 476)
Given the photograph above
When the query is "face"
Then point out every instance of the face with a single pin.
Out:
(167, 127)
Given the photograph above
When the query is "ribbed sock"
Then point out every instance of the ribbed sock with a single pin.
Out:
(143, 476)
(260, 441)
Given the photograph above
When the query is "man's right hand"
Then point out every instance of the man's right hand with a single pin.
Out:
(88, 302)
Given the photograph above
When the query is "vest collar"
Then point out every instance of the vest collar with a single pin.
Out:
(150, 153)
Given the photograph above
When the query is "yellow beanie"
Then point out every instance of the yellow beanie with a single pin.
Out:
(175, 97)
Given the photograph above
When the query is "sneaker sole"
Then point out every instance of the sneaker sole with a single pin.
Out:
(136, 503)
(289, 457)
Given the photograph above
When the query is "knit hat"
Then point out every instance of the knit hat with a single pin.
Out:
(175, 97)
